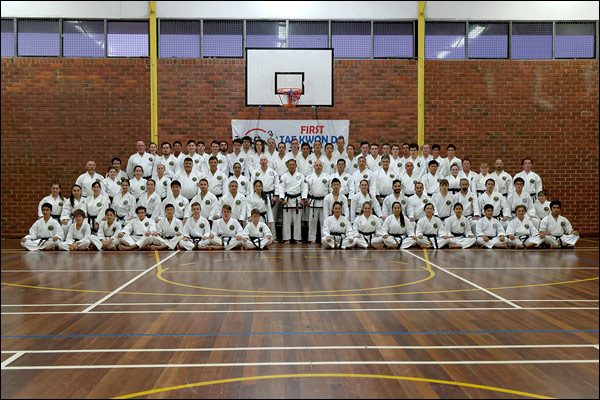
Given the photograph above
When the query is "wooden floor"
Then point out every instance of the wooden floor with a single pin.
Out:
(301, 322)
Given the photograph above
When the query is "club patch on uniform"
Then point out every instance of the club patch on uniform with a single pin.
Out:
(424, 201)
(98, 180)
(447, 202)
(260, 229)
(114, 229)
(546, 209)
(164, 183)
(435, 226)
(462, 224)
(196, 161)
(231, 227)
(237, 202)
(562, 223)
(531, 181)
(373, 223)
(147, 223)
(219, 178)
(126, 202)
(98, 204)
(50, 228)
(171, 163)
(342, 224)
(365, 176)
(310, 161)
(471, 199)
(258, 174)
(298, 178)
(243, 183)
(181, 204)
(220, 161)
(151, 200)
(355, 165)
(526, 226)
(345, 178)
(176, 229)
(151, 159)
(207, 202)
(324, 181)
(201, 226)
(503, 178)
(143, 187)
(391, 175)
(495, 198)
(60, 204)
(403, 202)
(194, 179)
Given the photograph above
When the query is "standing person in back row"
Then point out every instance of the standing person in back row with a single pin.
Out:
(141, 158)
(86, 179)
(533, 182)
(293, 192)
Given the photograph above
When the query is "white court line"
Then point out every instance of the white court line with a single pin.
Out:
(285, 348)
(464, 280)
(11, 359)
(513, 268)
(72, 270)
(123, 286)
(597, 348)
(257, 303)
(297, 311)
(309, 363)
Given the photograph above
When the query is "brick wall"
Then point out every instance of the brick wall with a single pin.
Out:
(58, 113)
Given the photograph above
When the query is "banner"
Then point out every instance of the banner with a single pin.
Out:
(306, 131)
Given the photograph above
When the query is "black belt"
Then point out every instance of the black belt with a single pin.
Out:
(444, 218)
(454, 191)
(480, 191)
(523, 238)
(560, 242)
(269, 195)
(256, 241)
(196, 240)
(42, 241)
(408, 195)
(430, 195)
(168, 237)
(338, 238)
(218, 196)
(292, 196)
(399, 238)
(368, 236)
(147, 177)
(434, 237)
(119, 218)
(92, 221)
(56, 217)
(457, 234)
(228, 240)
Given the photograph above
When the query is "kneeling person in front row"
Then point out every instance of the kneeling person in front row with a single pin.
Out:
(368, 228)
(195, 231)
(398, 230)
(45, 233)
(458, 229)
(430, 230)
(337, 229)
(521, 230)
(78, 237)
(257, 234)
(106, 237)
(556, 230)
(170, 230)
(226, 232)
(138, 233)
(490, 232)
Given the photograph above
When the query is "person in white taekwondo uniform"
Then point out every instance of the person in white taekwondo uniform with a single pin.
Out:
(163, 182)
(454, 180)
(168, 160)
(197, 159)
(317, 154)
(367, 229)
(252, 163)
(333, 197)
(278, 162)
(340, 148)
(431, 180)
(420, 168)
(521, 232)
(45, 233)
(111, 184)
(257, 234)
(469, 202)
(269, 178)
(337, 230)
(542, 208)
(451, 159)
(137, 184)
(382, 179)
(490, 196)
(318, 184)
(395, 196)
(489, 230)
(533, 182)
(329, 161)
(373, 159)
(116, 164)
(443, 201)
(503, 179)
(346, 181)
(556, 230)
(292, 193)
(169, 231)
(86, 179)
(222, 162)
(226, 232)
(242, 181)
(236, 156)
(430, 231)
(208, 201)
(124, 203)
(466, 172)
(246, 152)
(398, 230)
(260, 201)
(423, 160)
(188, 178)
(482, 177)
(271, 149)
(458, 230)
(137, 233)
(151, 200)
(181, 204)
(519, 196)
(236, 201)
(106, 238)
(416, 203)
(362, 196)
(409, 179)
(362, 173)
(196, 230)
(351, 160)
(216, 179)
(78, 237)
(95, 206)
(56, 199)
(75, 202)
(141, 158)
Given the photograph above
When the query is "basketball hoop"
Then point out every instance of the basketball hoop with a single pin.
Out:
(293, 96)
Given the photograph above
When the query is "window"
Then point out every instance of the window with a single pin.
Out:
(83, 38)
(127, 38)
(445, 40)
(488, 39)
(222, 39)
(531, 40)
(38, 37)
(265, 34)
(8, 38)
(351, 39)
(179, 39)
(393, 39)
(309, 34)
(575, 40)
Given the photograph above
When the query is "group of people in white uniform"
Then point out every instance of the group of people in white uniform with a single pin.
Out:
(383, 196)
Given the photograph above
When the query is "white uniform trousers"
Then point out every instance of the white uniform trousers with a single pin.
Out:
(227, 242)
(561, 241)
(170, 242)
(490, 243)
(315, 216)
(365, 241)
(82, 244)
(141, 241)
(39, 244)
(521, 241)
(292, 215)
(194, 243)
(433, 241)
(97, 242)
(463, 241)
(398, 241)
(251, 243)
(337, 241)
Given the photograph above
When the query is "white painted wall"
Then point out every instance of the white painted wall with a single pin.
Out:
(311, 10)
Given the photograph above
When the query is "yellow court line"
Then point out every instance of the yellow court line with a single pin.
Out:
(161, 270)
(332, 375)
(295, 270)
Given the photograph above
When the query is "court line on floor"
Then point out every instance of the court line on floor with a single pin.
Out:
(294, 348)
(302, 333)
(299, 363)
(303, 310)
(426, 259)
(295, 302)
(129, 282)
(10, 359)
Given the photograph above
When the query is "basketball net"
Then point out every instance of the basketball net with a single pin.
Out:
(293, 96)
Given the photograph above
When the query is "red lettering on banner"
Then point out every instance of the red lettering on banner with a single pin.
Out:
(312, 129)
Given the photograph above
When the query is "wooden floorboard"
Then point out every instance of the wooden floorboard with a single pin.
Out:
(301, 322)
